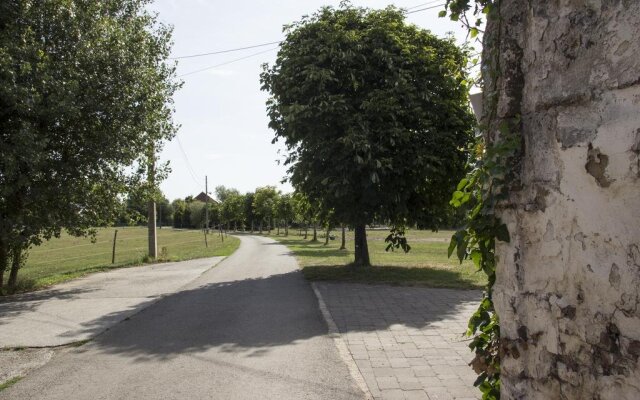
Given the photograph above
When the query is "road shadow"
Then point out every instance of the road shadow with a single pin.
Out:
(251, 317)
(16, 304)
(358, 307)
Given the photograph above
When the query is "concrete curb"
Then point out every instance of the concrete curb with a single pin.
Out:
(341, 345)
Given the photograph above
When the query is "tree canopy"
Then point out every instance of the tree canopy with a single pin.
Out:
(374, 113)
(85, 101)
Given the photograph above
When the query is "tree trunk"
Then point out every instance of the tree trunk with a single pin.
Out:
(326, 237)
(315, 233)
(306, 231)
(16, 261)
(252, 226)
(361, 248)
(278, 227)
(343, 246)
(286, 228)
(4, 262)
(235, 226)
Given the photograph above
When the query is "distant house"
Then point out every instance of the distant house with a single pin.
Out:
(203, 198)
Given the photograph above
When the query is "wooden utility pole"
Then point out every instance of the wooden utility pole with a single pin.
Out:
(206, 209)
(206, 202)
(151, 217)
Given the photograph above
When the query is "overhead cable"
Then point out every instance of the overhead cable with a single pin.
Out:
(226, 63)
(423, 4)
(186, 159)
(224, 51)
(266, 44)
(424, 9)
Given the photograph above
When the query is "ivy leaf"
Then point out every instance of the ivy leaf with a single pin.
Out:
(462, 249)
(476, 257)
(463, 183)
(481, 378)
(452, 246)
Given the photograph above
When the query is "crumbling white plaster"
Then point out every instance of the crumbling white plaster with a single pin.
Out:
(568, 287)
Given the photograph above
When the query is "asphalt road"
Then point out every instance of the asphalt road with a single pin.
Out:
(249, 328)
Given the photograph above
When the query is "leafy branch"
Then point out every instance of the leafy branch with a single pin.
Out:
(480, 193)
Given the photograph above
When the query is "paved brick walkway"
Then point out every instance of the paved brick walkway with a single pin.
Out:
(406, 341)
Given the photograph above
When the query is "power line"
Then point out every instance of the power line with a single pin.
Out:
(186, 159)
(424, 9)
(279, 41)
(423, 4)
(266, 44)
(225, 51)
(227, 62)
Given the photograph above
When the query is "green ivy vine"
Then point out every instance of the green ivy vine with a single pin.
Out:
(480, 193)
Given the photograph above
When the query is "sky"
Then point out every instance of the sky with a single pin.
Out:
(221, 111)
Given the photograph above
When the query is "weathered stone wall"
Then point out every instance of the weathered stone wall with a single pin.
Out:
(568, 288)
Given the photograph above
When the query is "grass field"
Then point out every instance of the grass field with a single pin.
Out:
(69, 257)
(426, 264)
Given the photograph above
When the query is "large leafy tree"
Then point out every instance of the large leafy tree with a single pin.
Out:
(374, 113)
(85, 101)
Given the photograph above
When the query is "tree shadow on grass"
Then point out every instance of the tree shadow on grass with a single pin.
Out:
(393, 275)
(316, 249)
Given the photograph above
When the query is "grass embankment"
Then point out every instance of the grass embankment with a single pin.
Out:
(68, 257)
(426, 264)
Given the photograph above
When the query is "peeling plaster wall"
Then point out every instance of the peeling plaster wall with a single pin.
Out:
(568, 287)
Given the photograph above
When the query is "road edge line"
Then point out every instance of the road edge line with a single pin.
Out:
(341, 345)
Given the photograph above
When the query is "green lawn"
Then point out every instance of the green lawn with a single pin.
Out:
(68, 257)
(426, 264)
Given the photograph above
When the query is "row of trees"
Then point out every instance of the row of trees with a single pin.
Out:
(264, 209)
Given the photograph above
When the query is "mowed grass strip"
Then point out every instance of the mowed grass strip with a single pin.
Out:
(68, 257)
(426, 264)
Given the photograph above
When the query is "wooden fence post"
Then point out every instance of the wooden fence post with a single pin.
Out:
(113, 252)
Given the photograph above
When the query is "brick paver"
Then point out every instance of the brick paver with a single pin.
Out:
(407, 342)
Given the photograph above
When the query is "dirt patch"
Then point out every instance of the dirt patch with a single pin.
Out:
(17, 363)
